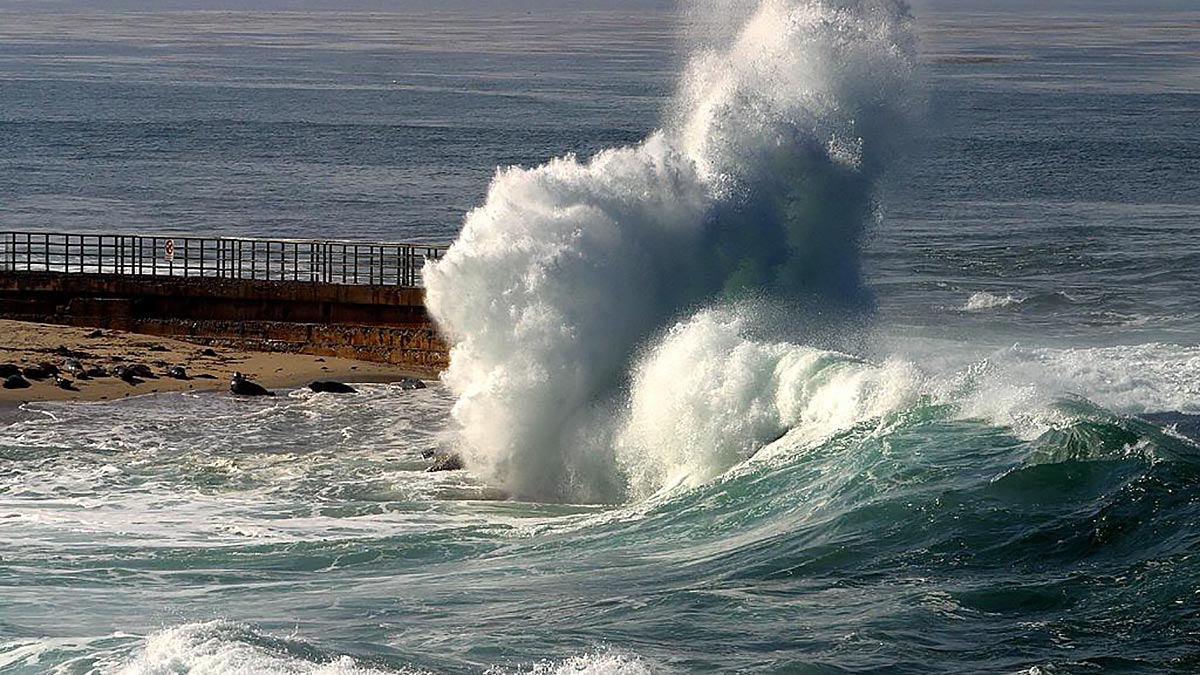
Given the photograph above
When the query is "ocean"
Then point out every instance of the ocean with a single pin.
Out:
(794, 336)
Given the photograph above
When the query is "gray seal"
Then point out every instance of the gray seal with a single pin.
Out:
(16, 382)
(410, 383)
(331, 387)
(240, 386)
(125, 373)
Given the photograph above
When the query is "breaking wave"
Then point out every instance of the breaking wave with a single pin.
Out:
(759, 183)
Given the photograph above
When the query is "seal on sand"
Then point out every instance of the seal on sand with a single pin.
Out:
(240, 386)
(126, 374)
(15, 382)
(39, 372)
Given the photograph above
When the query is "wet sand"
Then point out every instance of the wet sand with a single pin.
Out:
(27, 344)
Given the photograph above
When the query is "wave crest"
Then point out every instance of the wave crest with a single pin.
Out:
(761, 182)
(707, 398)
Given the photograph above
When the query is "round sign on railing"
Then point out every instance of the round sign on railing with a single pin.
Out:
(169, 249)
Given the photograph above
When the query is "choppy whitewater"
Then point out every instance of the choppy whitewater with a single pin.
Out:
(195, 533)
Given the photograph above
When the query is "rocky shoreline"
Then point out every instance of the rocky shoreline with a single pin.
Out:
(44, 362)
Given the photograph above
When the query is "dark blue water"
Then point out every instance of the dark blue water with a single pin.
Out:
(351, 125)
(1007, 481)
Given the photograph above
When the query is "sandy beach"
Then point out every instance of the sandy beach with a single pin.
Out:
(27, 345)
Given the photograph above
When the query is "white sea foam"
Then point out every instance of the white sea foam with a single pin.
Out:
(984, 300)
(226, 648)
(188, 470)
(707, 398)
(223, 648)
(760, 180)
(1017, 386)
(603, 662)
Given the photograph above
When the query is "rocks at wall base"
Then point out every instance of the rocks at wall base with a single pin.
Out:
(445, 461)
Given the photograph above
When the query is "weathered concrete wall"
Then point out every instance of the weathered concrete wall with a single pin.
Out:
(371, 323)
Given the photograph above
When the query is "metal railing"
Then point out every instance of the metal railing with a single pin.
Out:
(318, 261)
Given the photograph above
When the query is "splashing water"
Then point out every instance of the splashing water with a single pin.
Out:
(707, 398)
(759, 182)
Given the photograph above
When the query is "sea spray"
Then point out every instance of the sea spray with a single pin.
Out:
(760, 182)
(706, 398)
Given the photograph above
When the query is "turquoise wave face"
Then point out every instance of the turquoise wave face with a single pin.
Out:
(919, 541)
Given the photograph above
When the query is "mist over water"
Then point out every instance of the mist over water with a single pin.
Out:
(761, 181)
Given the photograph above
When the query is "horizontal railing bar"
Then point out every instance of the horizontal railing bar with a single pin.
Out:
(168, 235)
(343, 261)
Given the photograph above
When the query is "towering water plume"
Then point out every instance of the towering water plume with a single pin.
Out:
(760, 182)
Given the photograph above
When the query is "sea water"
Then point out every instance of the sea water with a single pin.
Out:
(808, 337)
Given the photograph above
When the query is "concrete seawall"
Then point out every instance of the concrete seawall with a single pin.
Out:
(385, 324)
